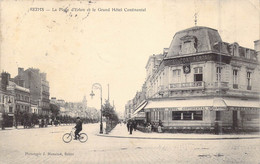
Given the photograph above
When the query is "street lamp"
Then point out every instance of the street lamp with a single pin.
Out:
(98, 86)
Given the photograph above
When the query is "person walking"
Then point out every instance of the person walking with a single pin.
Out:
(135, 125)
(128, 126)
(131, 126)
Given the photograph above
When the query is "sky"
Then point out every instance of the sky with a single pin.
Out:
(79, 48)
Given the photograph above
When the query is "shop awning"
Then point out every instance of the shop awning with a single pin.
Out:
(179, 103)
(242, 103)
(140, 107)
(203, 104)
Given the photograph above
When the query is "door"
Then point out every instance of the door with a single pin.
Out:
(148, 116)
(234, 119)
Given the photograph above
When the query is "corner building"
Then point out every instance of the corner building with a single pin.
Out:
(200, 81)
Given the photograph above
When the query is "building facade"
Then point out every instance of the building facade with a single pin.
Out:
(201, 81)
(129, 110)
(22, 100)
(38, 85)
(7, 102)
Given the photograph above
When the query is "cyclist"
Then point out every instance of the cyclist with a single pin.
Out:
(78, 128)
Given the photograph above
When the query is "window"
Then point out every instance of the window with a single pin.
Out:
(235, 79)
(249, 81)
(177, 75)
(10, 109)
(197, 115)
(218, 73)
(198, 74)
(176, 115)
(187, 115)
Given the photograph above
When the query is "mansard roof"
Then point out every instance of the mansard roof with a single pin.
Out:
(205, 40)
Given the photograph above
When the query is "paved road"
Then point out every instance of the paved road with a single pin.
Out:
(46, 146)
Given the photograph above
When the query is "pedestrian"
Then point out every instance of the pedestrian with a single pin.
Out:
(131, 126)
(128, 126)
(149, 128)
(135, 125)
(159, 129)
(216, 128)
(42, 123)
(153, 126)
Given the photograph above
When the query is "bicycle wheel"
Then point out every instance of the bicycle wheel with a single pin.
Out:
(67, 137)
(83, 137)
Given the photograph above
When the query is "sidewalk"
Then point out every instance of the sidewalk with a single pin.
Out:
(36, 127)
(120, 131)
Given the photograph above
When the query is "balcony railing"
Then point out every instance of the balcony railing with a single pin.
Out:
(190, 85)
(218, 85)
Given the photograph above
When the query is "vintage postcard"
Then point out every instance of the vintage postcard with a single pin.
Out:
(110, 81)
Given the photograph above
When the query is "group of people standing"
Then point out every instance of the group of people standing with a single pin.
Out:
(154, 127)
(131, 125)
(148, 127)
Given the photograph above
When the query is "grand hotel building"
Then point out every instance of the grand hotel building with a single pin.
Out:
(200, 80)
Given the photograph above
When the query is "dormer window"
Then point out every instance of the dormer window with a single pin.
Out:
(236, 49)
(248, 56)
(188, 44)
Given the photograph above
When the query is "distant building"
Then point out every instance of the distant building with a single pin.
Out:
(22, 97)
(201, 81)
(7, 101)
(36, 81)
(129, 109)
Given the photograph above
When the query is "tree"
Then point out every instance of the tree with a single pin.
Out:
(111, 116)
(34, 119)
(55, 110)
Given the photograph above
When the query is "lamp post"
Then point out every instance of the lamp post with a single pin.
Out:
(98, 86)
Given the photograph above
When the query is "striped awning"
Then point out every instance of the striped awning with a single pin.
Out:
(140, 107)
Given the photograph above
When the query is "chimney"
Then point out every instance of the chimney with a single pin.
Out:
(257, 46)
(20, 71)
(21, 83)
(5, 79)
(43, 76)
(257, 49)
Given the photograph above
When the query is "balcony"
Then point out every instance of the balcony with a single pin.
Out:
(218, 85)
(187, 86)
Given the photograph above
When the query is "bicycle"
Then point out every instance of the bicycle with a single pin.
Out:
(67, 137)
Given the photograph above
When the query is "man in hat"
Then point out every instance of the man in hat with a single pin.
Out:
(78, 128)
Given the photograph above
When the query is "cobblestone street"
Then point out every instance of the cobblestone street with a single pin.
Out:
(46, 146)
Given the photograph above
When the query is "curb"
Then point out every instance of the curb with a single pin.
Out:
(156, 138)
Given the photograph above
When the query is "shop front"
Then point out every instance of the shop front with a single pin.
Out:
(204, 114)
